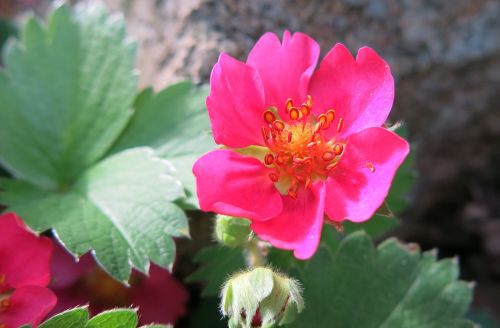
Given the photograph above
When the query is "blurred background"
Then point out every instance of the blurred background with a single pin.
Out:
(445, 56)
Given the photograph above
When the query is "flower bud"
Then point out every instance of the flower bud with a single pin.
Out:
(260, 298)
(231, 231)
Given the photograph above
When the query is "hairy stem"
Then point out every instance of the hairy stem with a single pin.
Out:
(255, 253)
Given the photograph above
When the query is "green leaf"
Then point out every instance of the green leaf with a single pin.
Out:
(483, 318)
(121, 208)
(79, 318)
(117, 318)
(66, 94)
(74, 318)
(7, 30)
(175, 123)
(206, 310)
(217, 263)
(377, 226)
(394, 285)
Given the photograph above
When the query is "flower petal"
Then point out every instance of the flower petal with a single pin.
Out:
(232, 184)
(160, 297)
(360, 91)
(285, 69)
(298, 227)
(26, 265)
(28, 305)
(235, 103)
(353, 191)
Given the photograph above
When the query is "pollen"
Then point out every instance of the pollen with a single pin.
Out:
(3, 277)
(338, 149)
(370, 167)
(299, 151)
(269, 116)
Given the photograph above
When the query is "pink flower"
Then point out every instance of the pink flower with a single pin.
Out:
(24, 274)
(159, 297)
(301, 146)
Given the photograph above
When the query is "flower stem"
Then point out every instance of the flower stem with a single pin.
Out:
(255, 254)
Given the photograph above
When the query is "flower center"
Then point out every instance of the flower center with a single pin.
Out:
(299, 151)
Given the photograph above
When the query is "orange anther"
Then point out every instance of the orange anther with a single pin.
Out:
(3, 277)
(311, 145)
(292, 193)
(280, 160)
(279, 125)
(328, 156)
(370, 167)
(330, 115)
(305, 110)
(269, 116)
(322, 120)
(274, 177)
(338, 149)
(269, 159)
(300, 178)
(289, 104)
(340, 125)
(289, 136)
(294, 113)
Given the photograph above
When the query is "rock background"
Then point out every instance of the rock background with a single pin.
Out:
(445, 56)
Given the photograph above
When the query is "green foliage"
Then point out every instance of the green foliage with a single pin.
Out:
(231, 231)
(207, 310)
(75, 318)
(118, 318)
(217, 263)
(121, 208)
(66, 92)
(175, 123)
(7, 30)
(350, 283)
(394, 285)
(377, 226)
(67, 97)
(483, 318)
(79, 318)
